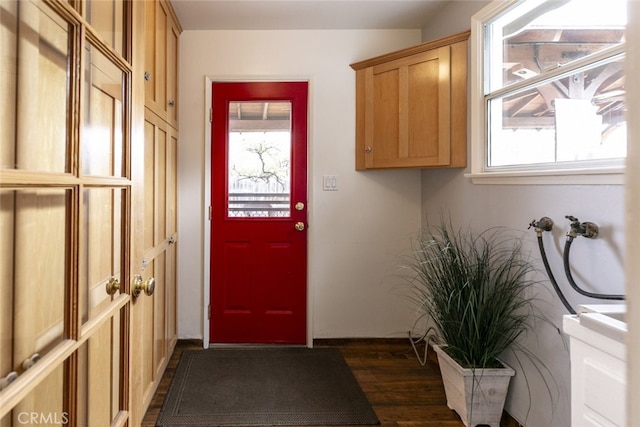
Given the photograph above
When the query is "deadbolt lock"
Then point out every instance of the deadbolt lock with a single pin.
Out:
(139, 285)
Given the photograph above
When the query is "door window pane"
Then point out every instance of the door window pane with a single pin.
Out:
(259, 159)
(34, 80)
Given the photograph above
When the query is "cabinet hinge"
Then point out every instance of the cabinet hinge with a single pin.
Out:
(211, 115)
(209, 311)
(210, 212)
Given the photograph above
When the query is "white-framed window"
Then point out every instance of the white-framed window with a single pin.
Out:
(547, 92)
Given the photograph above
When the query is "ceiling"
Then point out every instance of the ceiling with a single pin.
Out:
(533, 109)
(304, 14)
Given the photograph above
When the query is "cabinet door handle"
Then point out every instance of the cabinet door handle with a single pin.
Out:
(148, 286)
(30, 361)
(5, 381)
(368, 149)
(112, 286)
(172, 103)
(147, 75)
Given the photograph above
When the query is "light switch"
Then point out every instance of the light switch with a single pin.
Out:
(330, 183)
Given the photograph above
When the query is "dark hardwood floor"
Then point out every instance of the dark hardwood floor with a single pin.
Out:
(400, 390)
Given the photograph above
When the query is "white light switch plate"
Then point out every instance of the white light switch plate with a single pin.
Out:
(330, 183)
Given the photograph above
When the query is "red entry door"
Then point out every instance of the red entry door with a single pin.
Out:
(259, 214)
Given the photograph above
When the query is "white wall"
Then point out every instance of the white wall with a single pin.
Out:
(454, 17)
(598, 264)
(355, 233)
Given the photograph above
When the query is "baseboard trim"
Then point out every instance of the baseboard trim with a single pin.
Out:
(346, 341)
(190, 342)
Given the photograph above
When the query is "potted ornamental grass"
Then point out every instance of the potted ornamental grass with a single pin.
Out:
(473, 290)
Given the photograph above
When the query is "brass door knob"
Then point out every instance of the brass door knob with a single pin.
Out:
(139, 285)
(299, 226)
(113, 286)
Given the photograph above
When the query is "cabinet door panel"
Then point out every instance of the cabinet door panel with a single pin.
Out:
(161, 61)
(159, 249)
(384, 129)
(428, 109)
(411, 106)
(100, 400)
(104, 116)
(65, 234)
(35, 226)
(459, 104)
(423, 119)
(155, 56)
(33, 88)
(172, 75)
(158, 329)
(43, 405)
(107, 17)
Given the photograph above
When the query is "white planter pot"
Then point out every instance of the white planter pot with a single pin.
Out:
(477, 395)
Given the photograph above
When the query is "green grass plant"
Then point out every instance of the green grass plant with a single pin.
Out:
(475, 290)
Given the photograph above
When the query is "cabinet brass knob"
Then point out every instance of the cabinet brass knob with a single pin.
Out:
(139, 285)
(113, 286)
(368, 149)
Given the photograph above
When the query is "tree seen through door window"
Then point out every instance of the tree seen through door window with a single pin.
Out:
(259, 173)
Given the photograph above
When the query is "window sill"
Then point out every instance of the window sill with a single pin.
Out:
(603, 176)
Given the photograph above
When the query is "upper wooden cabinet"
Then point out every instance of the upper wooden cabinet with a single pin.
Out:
(161, 60)
(411, 106)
